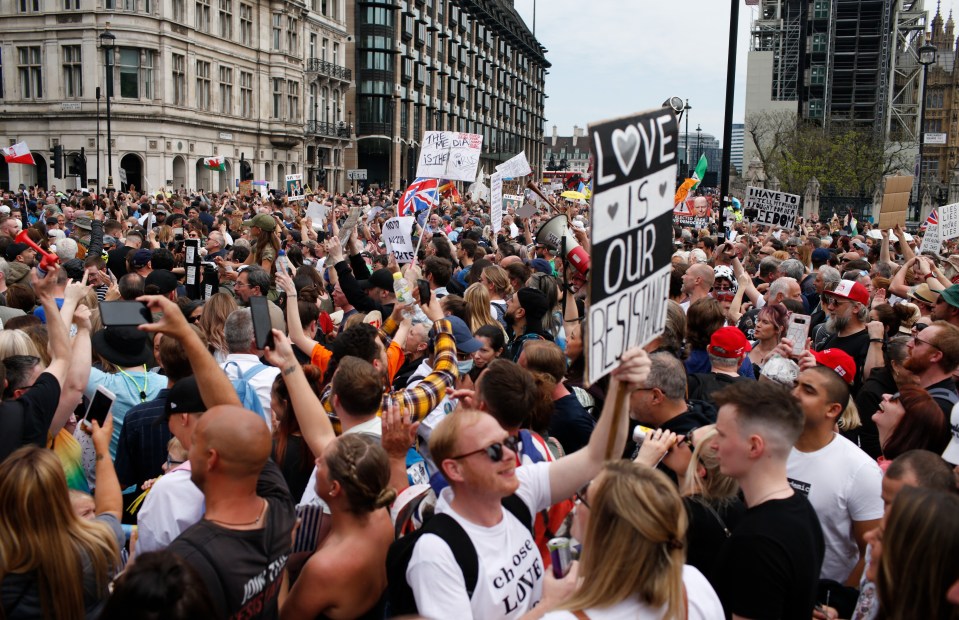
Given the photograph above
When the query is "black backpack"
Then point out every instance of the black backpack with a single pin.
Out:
(401, 600)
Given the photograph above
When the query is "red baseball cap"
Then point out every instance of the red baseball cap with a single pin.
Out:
(847, 289)
(728, 342)
(838, 360)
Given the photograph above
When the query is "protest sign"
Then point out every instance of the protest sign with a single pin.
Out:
(517, 166)
(634, 186)
(895, 201)
(527, 210)
(263, 187)
(948, 222)
(930, 240)
(398, 235)
(351, 221)
(496, 201)
(512, 201)
(775, 208)
(449, 155)
(246, 188)
(695, 211)
(294, 186)
(317, 212)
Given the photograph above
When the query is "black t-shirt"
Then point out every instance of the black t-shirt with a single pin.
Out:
(936, 391)
(769, 567)
(856, 345)
(570, 424)
(243, 569)
(117, 261)
(296, 465)
(27, 419)
(702, 385)
(706, 534)
(867, 400)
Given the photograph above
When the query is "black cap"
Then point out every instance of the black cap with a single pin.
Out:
(163, 280)
(184, 397)
(534, 302)
(16, 249)
(381, 278)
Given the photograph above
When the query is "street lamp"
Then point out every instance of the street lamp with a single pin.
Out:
(389, 174)
(108, 42)
(699, 142)
(927, 56)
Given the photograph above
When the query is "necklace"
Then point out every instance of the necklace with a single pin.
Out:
(253, 522)
(768, 495)
(142, 391)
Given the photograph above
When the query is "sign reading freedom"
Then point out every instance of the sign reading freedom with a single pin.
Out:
(632, 204)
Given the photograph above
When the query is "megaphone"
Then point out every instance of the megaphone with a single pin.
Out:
(49, 260)
(556, 235)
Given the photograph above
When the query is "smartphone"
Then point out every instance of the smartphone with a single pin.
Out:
(424, 288)
(798, 331)
(124, 313)
(100, 405)
(262, 327)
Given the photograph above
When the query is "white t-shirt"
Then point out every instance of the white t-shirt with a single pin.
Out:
(173, 504)
(373, 427)
(843, 485)
(510, 575)
(703, 604)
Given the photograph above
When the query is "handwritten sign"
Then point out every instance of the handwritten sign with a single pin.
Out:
(930, 240)
(449, 155)
(775, 208)
(517, 166)
(632, 205)
(496, 201)
(398, 235)
(294, 186)
(351, 221)
(948, 222)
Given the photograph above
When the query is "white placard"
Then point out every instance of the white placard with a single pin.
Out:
(496, 201)
(357, 174)
(294, 187)
(517, 166)
(930, 240)
(398, 235)
(449, 155)
(948, 222)
(317, 212)
(775, 208)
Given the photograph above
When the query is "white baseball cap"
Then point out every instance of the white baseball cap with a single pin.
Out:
(951, 453)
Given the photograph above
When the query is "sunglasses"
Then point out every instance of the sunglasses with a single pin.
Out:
(494, 451)
(581, 495)
(688, 440)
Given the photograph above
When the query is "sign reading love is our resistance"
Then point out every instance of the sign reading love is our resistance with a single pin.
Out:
(634, 185)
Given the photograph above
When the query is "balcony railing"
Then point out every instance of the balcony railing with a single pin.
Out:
(333, 130)
(315, 65)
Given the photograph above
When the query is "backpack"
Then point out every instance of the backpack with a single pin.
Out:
(248, 396)
(945, 394)
(400, 594)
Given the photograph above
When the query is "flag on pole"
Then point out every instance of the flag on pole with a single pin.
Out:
(448, 190)
(214, 163)
(19, 153)
(421, 195)
(932, 220)
(682, 191)
(700, 171)
(851, 224)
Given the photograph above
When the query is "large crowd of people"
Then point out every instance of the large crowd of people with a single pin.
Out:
(420, 437)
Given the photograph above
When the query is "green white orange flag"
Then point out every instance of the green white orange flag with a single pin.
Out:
(700, 171)
(214, 163)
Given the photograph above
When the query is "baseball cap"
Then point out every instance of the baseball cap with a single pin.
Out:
(951, 295)
(541, 265)
(381, 278)
(184, 397)
(263, 221)
(534, 302)
(465, 342)
(728, 342)
(951, 453)
(16, 249)
(838, 360)
(162, 279)
(142, 257)
(847, 289)
(821, 254)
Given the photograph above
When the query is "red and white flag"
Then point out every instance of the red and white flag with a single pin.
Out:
(19, 153)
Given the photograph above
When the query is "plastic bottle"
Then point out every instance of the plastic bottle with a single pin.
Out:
(404, 295)
(283, 263)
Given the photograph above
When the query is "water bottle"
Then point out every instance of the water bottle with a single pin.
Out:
(283, 263)
(404, 294)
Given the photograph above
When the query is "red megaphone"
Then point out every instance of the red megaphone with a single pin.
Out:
(49, 260)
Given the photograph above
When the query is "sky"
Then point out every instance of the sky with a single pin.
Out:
(614, 57)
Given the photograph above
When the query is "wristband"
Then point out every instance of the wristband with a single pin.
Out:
(880, 340)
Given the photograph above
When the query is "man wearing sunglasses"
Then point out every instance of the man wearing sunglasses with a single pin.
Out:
(848, 303)
(933, 357)
(477, 457)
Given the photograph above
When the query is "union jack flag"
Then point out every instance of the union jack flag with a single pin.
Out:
(933, 219)
(422, 194)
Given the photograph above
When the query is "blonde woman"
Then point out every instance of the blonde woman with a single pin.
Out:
(633, 560)
(215, 312)
(496, 281)
(478, 307)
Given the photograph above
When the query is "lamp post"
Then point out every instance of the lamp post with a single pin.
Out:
(389, 174)
(927, 56)
(686, 109)
(699, 142)
(99, 178)
(108, 42)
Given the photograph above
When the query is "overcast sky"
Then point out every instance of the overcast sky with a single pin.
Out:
(615, 57)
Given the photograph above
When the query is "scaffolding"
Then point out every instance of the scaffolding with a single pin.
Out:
(902, 122)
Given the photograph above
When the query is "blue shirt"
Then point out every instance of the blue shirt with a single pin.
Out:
(41, 314)
(127, 389)
(142, 448)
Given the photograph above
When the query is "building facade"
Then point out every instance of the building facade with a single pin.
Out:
(265, 83)
(940, 161)
(566, 153)
(455, 65)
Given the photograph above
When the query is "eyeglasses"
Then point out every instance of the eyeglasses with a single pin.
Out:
(834, 301)
(170, 463)
(688, 440)
(916, 341)
(494, 451)
(894, 398)
(581, 495)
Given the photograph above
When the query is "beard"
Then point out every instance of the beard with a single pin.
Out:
(836, 324)
(917, 365)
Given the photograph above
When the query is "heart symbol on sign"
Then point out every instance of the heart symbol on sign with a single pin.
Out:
(626, 148)
(662, 188)
(611, 209)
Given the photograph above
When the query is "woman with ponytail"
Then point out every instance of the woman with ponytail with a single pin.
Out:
(346, 577)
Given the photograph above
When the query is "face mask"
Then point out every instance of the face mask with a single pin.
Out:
(464, 367)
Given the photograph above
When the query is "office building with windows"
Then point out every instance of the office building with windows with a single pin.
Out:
(265, 82)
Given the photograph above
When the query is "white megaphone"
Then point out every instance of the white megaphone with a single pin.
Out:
(555, 233)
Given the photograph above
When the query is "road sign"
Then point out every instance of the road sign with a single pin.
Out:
(358, 174)
(934, 138)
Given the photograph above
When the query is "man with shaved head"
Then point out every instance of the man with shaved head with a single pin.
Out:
(241, 545)
(697, 282)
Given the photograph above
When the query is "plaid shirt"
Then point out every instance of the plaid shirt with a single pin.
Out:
(425, 395)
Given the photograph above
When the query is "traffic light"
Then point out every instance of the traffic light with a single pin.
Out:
(83, 167)
(246, 170)
(321, 175)
(73, 166)
(57, 163)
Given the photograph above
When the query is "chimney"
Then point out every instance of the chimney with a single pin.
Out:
(554, 135)
(575, 134)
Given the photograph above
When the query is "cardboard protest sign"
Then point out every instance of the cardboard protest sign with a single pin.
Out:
(634, 185)
(449, 155)
(398, 235)
(775, 208)
(895, 201)
(527, 210)
(351, 221)
(517, 166)
(246, 187)
(496, 201)
(948, 222)
(294, 186)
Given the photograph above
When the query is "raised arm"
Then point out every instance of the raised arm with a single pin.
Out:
(59, 338)
(907, 251)
(78, 373)
(898, 284)
(108, 496)
(303, 342)
(884, 247)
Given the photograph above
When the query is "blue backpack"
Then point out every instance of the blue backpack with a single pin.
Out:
(248, 396)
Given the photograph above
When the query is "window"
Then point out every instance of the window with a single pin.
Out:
(817, 74)
(71, 5)
(226, 90)
(277, 28)
(136, 73)
(203, 15)
(246, 94)
(293, 99)
(277, 98)
(821, 9)
(72, 74)
(179, 11)
(819, 42)
(311, 104)
(336, 53)
(934, 98)
(246, 24)
(226, 19)
(130, 5)
(202, 85)
(292, 43)
(815, 108)
(313, 45)
(324, 49)
(1, 74)
(31, 73)
(179, 79)
(29, 6)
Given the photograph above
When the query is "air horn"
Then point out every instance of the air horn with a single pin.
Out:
(49, 260)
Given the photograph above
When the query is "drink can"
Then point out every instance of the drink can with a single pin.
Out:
(639, 434)
(559, 555)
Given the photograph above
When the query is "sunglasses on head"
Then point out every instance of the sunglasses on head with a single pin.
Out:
(494, 451)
